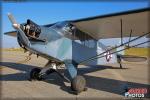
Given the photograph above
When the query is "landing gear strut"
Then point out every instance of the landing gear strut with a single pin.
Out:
(120, 65)
(119, 60)
(78, 83)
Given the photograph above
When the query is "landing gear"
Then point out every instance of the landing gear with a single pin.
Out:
(78, 84)
(120, 65)
(39, 74)
(119, 60)
(34, 74)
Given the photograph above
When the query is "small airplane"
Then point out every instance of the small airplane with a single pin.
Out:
(76, 42)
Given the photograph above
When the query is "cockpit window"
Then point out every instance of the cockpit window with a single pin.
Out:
(59, 25)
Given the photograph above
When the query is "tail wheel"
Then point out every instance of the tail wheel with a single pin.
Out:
(34, 74)
(78, 84)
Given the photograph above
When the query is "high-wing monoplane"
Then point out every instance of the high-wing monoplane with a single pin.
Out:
(76, 42)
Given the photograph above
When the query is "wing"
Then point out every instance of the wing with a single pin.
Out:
(11, 33)
(109, 26)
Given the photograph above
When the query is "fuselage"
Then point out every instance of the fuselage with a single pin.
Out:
(63, 41)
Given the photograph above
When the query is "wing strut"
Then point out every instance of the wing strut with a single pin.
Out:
(126, 48)
(97, 56)
(121, 31)
(130, 37)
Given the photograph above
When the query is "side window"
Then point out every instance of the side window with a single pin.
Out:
(85, 39)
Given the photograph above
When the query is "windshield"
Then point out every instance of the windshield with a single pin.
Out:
(66, 26)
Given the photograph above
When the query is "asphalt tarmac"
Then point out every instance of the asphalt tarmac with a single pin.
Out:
(103, 81)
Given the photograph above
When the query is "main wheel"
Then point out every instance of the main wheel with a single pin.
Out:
(78, 84)
(34, 74)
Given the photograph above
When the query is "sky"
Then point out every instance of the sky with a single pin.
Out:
(51, 12)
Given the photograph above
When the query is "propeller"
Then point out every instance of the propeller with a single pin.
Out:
(11, 18)
(13, 21)
(17, 27)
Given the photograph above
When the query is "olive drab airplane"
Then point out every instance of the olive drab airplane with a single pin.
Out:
(76, 42)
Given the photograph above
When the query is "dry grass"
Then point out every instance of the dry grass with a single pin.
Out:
(12, 49)
(144, 52)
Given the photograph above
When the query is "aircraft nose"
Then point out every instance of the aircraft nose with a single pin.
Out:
(16, 26)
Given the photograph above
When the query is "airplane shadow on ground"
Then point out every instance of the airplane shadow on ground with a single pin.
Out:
(98, 83)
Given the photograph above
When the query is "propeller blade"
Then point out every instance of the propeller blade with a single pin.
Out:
(11, 18)
(17, 27)
(13, 21)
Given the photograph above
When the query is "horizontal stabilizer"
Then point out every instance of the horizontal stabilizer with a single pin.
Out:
(11, 33)
(131, 58)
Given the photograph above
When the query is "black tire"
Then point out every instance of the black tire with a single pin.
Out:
(34, 74)
(78, 84)
(120, 65)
